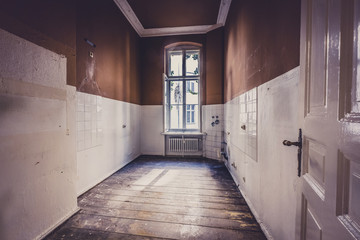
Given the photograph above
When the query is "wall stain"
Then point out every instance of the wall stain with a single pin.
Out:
(89, 83)
(9, 103)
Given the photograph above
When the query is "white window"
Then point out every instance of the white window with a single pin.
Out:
(182, 84)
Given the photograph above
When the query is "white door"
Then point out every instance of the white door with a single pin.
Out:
(329, 189)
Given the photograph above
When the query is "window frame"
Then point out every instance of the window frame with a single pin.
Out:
(184, 79)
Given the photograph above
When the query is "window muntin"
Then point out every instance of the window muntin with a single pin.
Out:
(182, 83)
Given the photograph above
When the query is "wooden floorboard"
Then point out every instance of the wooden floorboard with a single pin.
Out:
(163, 198)
(169, 202)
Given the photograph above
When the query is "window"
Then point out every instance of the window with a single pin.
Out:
(182, 84)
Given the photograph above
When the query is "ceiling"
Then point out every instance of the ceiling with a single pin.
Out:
(152, 18)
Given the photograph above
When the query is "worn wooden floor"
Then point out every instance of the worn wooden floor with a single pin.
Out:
(163, 198)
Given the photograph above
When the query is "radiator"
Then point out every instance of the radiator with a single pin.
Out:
(183, 144)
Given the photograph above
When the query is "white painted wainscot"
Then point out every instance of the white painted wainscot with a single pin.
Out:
(152, 125)
(108, 138)
(153, 139)
(267, 177)
(214, 132)
(38, 140)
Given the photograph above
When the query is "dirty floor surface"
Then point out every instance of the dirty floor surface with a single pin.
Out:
(163, 198)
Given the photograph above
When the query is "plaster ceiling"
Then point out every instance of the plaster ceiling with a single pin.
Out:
(174, 17)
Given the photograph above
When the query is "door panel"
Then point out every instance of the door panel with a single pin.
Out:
(348, 207)
(354, 206)
(315, 161)
(317, 53)
(329, 188)
(311, 222)
(314, 166)
(314, 230)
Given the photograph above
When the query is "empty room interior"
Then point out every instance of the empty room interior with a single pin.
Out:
(181, 119)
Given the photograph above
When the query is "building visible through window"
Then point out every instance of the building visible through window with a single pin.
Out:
(190, 113)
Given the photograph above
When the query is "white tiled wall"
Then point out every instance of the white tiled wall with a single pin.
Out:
(251, 124)
(214, 133)
(88, 121)
(259, 163)
(108, 137)
(241, 123)
(152, 121)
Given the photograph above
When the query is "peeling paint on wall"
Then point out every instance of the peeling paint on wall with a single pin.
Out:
(113, 69)
(38, 158)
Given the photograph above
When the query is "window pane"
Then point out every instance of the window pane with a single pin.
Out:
(175, 66)
(176, 116)
(192, 94)
(176, 92)
(193, 116)
(192, 63)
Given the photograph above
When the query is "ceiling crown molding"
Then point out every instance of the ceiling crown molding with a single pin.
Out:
(223, 11)
(167, 31)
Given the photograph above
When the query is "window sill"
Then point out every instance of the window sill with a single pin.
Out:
(184, 133)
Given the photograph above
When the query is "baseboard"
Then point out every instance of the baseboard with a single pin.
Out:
(251, 206)
(217, 159)
(152, 153)
(62, 220)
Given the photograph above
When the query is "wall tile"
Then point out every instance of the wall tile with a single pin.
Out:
(106, 146)
(242, 112)
(89, 120)
(213, 139)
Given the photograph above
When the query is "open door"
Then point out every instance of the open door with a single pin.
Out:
(329, 186)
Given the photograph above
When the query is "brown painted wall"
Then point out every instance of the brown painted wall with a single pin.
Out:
(113, 72)
(214, 67)
(262, 41)
(61, 26)
(152, 66)
(50, 24)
